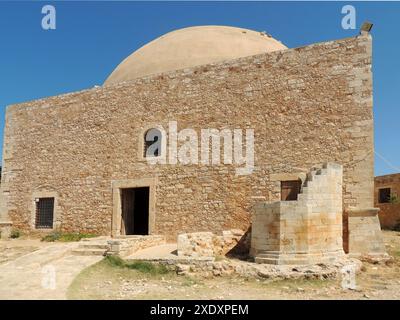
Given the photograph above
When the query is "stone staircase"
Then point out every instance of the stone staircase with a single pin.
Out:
(92, 247)
(306, 230)
(122, 246)
(313, 175)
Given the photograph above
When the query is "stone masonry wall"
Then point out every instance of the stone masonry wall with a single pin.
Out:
(124, 246)
(304, 231)
(207, 244)
(307, 105)
(389, 213)
(365, 235)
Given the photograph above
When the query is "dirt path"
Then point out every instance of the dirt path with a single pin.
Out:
(33, 270)
(14, 248)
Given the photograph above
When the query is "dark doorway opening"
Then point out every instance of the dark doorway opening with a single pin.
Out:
(290, 190)
(135, 211)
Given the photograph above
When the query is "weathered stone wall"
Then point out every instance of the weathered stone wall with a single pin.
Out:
(5, 230)
(389, 213)
(304, 231)
(365, 235)
(196, 244)
(307, 105)
(124, 246)
(208, 244)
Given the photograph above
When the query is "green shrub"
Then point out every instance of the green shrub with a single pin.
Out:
(394, 199)
(15, 234)
(147, 267)
(66, 237)
(115, 261)
(189, 281)
(141, 266)
(51, 237)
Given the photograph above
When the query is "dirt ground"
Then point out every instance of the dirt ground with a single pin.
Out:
(14, 248)
(103, 281)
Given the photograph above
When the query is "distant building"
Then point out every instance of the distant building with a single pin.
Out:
(387, 199)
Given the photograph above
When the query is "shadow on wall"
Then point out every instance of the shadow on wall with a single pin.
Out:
(242, 249)
(345, 232)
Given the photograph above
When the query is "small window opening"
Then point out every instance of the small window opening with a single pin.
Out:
(384, 195)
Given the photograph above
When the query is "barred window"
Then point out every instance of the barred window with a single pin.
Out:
(384, 195)
(44, 213)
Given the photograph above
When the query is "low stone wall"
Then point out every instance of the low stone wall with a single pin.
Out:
(234, 267)
(209, 267)
(207, 244)
(126, 245)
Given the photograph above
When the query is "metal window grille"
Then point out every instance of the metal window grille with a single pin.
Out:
(44, 213)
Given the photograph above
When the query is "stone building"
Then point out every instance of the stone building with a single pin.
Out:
(76, 162)
(387, 199)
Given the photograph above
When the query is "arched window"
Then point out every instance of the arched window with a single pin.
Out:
(152, 143)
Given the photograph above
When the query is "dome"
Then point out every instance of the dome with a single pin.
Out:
(193, 46)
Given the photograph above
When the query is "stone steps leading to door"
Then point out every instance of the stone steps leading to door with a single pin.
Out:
(92, 247)
(89, 252)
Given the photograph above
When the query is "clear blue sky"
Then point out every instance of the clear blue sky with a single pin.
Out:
(93, 37)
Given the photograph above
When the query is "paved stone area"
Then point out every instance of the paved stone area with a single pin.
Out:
(164, 251)
(44, 273)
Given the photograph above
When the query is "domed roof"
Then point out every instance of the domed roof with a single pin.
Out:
(193, 46)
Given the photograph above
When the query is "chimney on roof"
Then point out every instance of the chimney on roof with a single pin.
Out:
(366, 27)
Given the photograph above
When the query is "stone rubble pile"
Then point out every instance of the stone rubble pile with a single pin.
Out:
(232, 267)
(208, 244)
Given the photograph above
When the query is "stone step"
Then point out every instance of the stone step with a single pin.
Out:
(104, 238)
(265, 260)
(89, 245)
(311, 175)
(89, 252)
(315, 172)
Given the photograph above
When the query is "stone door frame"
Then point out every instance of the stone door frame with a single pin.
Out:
(117, 185)
(56, 210)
